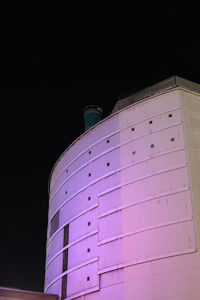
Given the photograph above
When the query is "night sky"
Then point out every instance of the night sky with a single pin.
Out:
(47, 80)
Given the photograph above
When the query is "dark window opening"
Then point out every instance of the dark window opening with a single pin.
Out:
(108, 164)
(172, 139)
(108, 141)
(66, 171)
(66, 235)
(88, 278)
(89, 223)
(170, 115)
(132, 129)
(152, 146)
(88, 250)
(150, 122)
(65, 260)
(89, 198)
(89, 174)
(89, 152)
(54, 223)
(64, 288)
(134, 152)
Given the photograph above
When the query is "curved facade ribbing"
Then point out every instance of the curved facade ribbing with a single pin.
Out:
(123, 219)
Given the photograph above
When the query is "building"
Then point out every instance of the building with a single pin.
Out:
(16, 294)
(124, 207)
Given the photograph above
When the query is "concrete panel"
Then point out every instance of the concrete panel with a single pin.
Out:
(107, 144)
(139, 289)
(147, 214)
(159, 242)
(109, 182)
(155, 186)
(83, 225)
(55, 288)
(109, 201)
(55, 245)
(176, 263)
(105, 228)
(83, 251)
(54, 269)
(74, 207)
(191, 116)
(99, 167)
(82, 279)
(154, 165)
(148, 245)
(175, 284)
(112, 292)
(157, 212)
(111, 278)
(110, 254)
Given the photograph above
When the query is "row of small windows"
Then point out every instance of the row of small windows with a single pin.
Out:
(89, 198)
(90, 174)
(153, 146)
(133, 153)
(151, 122)
(171, 140)
(108, 141)
(108, 164)
(132, 129)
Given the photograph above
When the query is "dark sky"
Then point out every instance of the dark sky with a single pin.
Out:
(46, 82)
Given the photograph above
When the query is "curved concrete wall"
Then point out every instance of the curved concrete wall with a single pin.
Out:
(120, 209)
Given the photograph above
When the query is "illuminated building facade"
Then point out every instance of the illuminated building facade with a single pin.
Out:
(124, 207)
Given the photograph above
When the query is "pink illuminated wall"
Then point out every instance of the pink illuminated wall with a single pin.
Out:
(121, 209)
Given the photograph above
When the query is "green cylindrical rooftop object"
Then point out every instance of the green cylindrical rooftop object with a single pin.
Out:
(92, 115)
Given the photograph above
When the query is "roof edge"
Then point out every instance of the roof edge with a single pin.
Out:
(164, 85)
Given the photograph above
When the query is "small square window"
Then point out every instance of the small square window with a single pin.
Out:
(88, 250)
(132, 129)
(134, 152)
(89, 223)
(65, 192)
(152, 146)
(172, 139)
(90, 152)
(150, 122)
(108, 164)
(88, 278)
(89, 198)
(89, 174)
(108, 141)
(170, 115)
